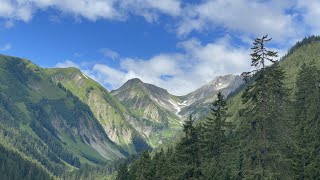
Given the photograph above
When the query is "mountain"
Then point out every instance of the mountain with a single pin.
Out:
(291, 138)
(46, 122)
(197, 102)
(154, 106)
(158, 105)
(162, 112)
(147, 101)
(115, 119)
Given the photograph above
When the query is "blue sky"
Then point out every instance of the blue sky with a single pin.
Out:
(178, 45)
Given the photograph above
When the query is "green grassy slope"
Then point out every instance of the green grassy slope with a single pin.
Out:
(306, 51)
(115, 119)
(48, 123)
(144, 101)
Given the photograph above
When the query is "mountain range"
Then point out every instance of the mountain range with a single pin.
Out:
(63, 119)
(59, 119)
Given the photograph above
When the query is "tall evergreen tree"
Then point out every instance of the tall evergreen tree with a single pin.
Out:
(264, 126)
(214, 128)
(307, 106)
(188, 152)
(123, 173)
(141, 169)
(213, 139)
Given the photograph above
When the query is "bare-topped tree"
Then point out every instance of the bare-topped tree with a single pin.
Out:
(260, 56)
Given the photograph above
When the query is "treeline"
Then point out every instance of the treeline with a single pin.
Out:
(274, 137)
(305, 41)
(15, 166)
(97, 172)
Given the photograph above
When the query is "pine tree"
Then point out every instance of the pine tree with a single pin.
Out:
(188, 153)
(264, 125)
(306, 160)
(123, 173)
(160, 164)
(142, 168)
(214, 128)
(213, 139)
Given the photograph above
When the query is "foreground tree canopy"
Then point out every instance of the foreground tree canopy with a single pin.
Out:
(273, 138)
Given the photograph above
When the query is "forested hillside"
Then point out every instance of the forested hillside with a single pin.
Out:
(115, 119)
(46, 123)
(267, 129)
(58, 123)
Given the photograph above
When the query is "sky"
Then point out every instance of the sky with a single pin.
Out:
(175, 44)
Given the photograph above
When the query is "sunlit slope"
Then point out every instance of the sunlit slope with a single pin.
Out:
(46, 122)
(115, 119)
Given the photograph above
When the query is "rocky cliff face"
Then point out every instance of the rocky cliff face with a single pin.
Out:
(46, 122)
(162, 114)
(115, 119)
(138, 115)
(157, 104)
(198, 102)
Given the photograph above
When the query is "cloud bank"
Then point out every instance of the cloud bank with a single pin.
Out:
(197, 62)
(179, 73)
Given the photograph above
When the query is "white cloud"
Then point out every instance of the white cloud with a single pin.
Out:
(66, 64)
(6, 47)
(92, 10)
(150, 9)
(16, 10)
(107, 75)
(179, 73)
(280, 19)
(310, 12)
(108, 53)
(255, 18)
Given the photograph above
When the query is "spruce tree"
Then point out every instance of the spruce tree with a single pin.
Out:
(123, 173)
(213, 139)
(214, 129)
(141, 169)
(264, 125)
(188, 153)
(307, 106)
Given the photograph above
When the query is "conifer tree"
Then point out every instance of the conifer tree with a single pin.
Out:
(188, 152)
(213, 139)
(307, 106)
(141, 169)
(214, 128)
(123, 173)
(264, 125)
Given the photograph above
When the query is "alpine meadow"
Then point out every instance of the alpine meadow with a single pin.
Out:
(159, 90)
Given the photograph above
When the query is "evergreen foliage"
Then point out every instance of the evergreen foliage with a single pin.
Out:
(307, 122)
(273, 139)
(15, 166)
(263, 122)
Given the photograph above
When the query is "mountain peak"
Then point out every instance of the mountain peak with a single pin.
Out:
(134, 80)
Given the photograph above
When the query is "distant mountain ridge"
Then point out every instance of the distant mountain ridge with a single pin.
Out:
(150, 101)
(198, 101)
(61, 119)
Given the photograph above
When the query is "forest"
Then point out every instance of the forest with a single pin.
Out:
(268, 128)
(276, 135)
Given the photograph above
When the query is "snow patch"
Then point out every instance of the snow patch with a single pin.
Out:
(175, 106)
(221, 86)
(184, 103)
